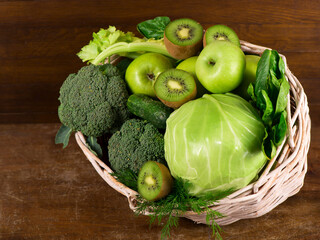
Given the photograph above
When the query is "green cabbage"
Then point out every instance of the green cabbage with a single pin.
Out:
(214, 143)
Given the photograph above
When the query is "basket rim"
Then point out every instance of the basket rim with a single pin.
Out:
(298, 140)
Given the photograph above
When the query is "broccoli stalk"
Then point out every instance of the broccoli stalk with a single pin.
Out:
(122, 48)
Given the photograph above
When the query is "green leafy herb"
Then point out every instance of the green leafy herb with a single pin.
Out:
(127, 177)
(94, 146)
(179, 202)
(63, 135)
(269, 93)
(175, 204)
(153, 28)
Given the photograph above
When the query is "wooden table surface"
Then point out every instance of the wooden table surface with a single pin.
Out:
(50, 193)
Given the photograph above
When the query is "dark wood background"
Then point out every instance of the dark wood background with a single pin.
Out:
(39, 41)
(47, 193)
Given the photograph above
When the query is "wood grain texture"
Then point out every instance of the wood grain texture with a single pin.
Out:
(39, 40)
(50, 193)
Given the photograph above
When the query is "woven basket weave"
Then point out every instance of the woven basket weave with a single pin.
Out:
(273, 187)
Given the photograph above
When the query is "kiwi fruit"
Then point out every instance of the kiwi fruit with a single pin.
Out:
(154, 181)
(183, 38)
(175, 87)
(220, 32)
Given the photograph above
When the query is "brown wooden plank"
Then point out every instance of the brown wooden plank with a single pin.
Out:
(282, 37)
(29, 117)
(39, 70)
(39, 42)
(94, 13)
(53, 41)
(311, 88)
(33, 97)
(303, 65)
(314, 114)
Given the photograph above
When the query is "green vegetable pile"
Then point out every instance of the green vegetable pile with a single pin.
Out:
(185, 117)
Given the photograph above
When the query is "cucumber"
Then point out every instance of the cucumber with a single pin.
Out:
(149, 109)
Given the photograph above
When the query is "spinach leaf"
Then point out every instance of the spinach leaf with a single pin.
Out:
(280, 129)
(267, 109)
(153, 28)
(268, 146)
(269, 93)
(94, 146)
(63, 135)
(273, 87)
(282, 97)
(262, 75)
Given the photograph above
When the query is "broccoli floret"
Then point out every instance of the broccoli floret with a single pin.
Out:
(136, 143)
(93, 101)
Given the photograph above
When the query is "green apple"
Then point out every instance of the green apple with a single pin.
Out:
(220, 66)
(143, 71)
(248, 77)
(189, 65)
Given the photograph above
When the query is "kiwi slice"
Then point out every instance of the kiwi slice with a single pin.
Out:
(220, 32)
(154, 181)
(182, 38)
(175, 87)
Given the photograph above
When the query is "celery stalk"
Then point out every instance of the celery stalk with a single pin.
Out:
(122, 47)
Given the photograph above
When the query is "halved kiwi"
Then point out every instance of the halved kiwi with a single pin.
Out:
(175, 87)
(154, 181)
(182, 38)
(220, 32)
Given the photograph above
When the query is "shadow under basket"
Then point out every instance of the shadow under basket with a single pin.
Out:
(273, 187)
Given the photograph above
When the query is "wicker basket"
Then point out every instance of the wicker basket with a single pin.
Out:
(273, 187)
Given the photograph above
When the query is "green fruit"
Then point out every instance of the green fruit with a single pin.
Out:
(143, 71)
(220, 66)
(189, 65)
(149, 109)
(175, 87)
(248, 77)
(183, 38)
(154, 181)
(220, 32)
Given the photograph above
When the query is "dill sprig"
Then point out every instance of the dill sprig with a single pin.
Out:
(128, 178)
(176, 204)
